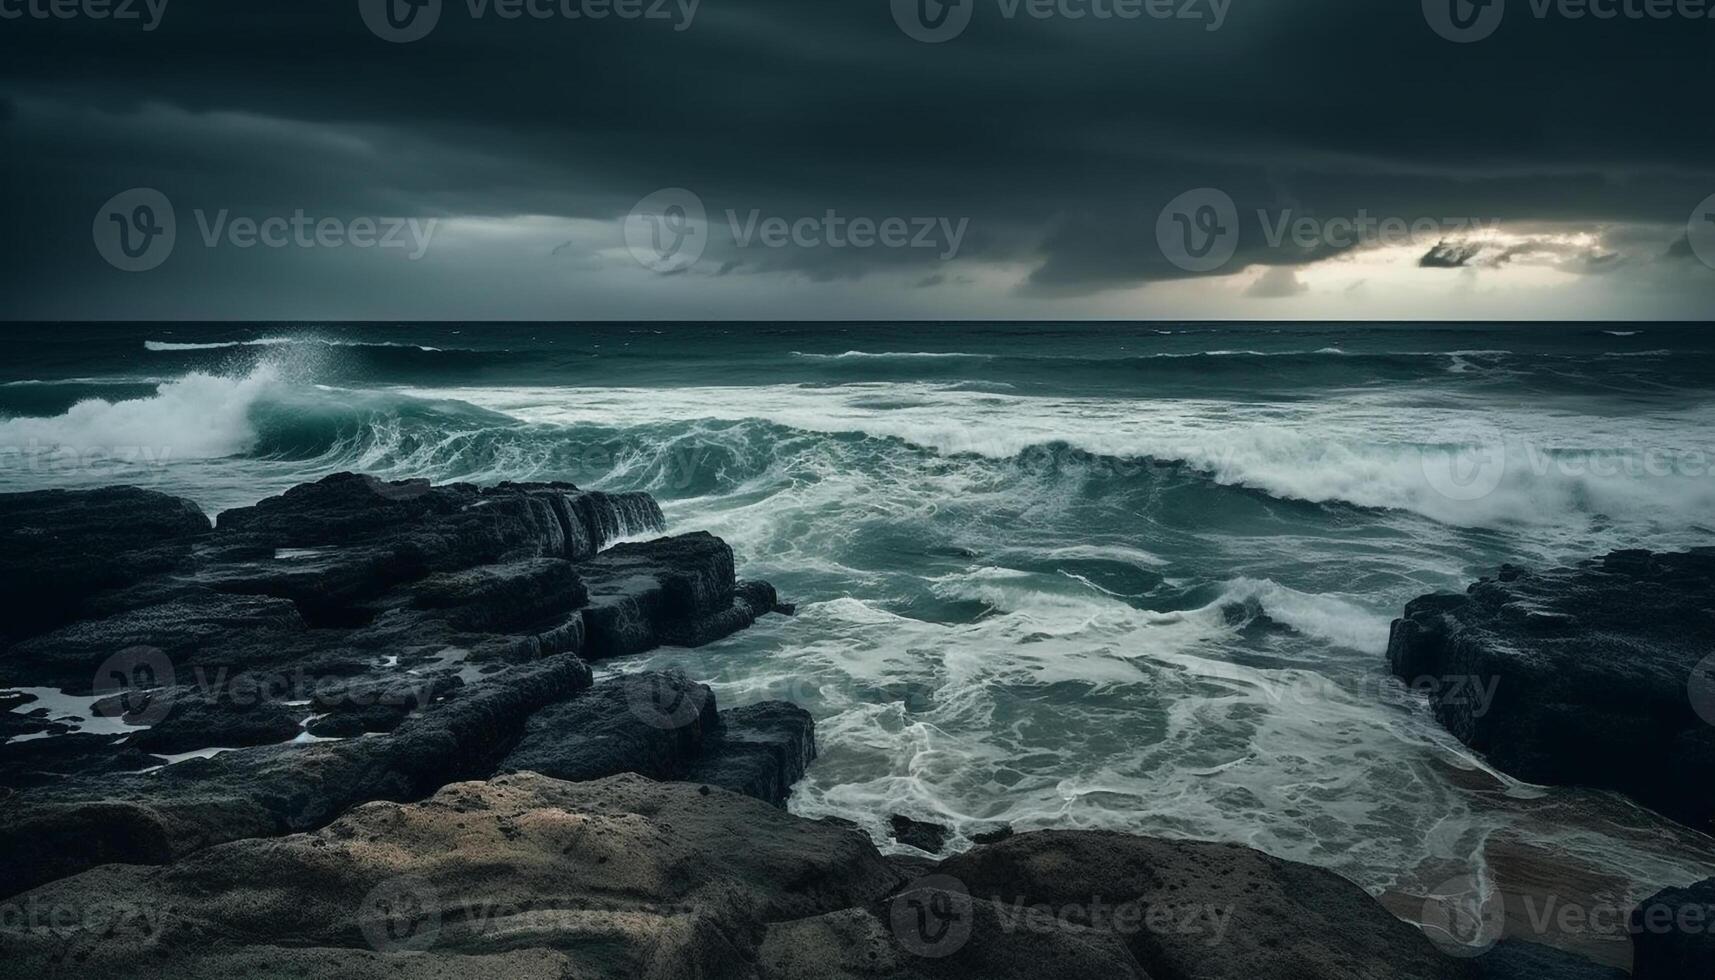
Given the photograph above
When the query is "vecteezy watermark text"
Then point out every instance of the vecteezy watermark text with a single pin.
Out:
(137, 230)
(668, 231)
(1199, 231)
(145, 13)
(935, 21)
(404, 21)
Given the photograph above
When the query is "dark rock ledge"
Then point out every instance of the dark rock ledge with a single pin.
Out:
(348, 641)
(1599, 675)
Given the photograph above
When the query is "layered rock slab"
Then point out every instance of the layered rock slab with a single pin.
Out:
(1600, 674)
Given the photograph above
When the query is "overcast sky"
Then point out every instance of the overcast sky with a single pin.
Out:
(823, 159)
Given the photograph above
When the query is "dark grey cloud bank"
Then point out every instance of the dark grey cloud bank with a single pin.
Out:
(1057, 141)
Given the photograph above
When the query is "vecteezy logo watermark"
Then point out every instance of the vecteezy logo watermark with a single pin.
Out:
(404, 21)
(668, 701)
(398, 490)
(1128, 918)
(1701, 689)
(136, 231)
(101, 918)
(932, 916)
(400, 915)
(1701, 231)
(668, 230)
(1464, 21)
(936, 21)
(147, 13)
(136, 683)
(933, 21)
(1198, 231)
(1464, 916)
(1468, 462)
(400, 21)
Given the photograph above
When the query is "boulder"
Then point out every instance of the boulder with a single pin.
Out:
(678, 590)
(759, 750)
(1595, 675)
(1194, 910)
(929, 837)
(1513, 959)
(1673, 934)
(662, 725)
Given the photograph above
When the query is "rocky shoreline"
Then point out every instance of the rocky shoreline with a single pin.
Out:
(353, 731)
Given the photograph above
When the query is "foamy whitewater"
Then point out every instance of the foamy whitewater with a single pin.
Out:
(1122, 576)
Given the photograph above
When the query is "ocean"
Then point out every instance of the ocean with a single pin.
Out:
(1126, 576)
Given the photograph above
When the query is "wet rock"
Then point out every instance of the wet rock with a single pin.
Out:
(419, 627)
(1512, 959)
(198, 720)
(1207, 911)
(41, 761)
(376, 704)
(58, 547)
(1673, 934)
(650, 723)
(676, 590)
(758, 750)
(929, 837)
(496, 598)
(662, 725)
(1588, 675)
(202, 629)
(335, 543)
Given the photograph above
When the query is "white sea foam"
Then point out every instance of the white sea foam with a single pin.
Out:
(163, 346)
(859, 354)
(195, 416)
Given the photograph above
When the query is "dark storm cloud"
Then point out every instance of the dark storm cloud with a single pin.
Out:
(1445, 255)
(1058, 140)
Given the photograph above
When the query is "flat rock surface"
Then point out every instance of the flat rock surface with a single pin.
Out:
(622, 877)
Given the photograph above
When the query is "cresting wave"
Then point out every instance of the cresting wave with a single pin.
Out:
(164, 346)
(1456, 464)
